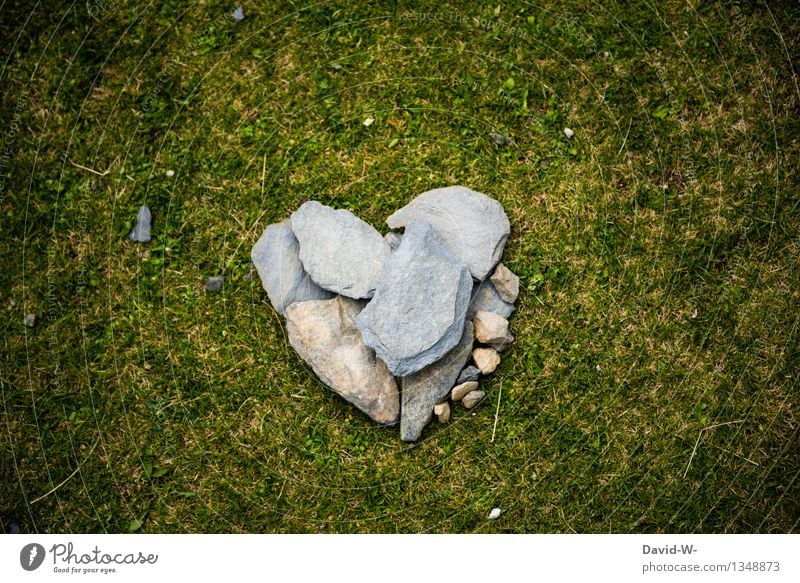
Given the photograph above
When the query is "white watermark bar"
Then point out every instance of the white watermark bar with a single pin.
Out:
(402, 558)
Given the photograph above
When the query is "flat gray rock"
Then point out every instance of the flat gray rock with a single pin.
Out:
(423, 390)
(472, 226)
(471, 373)
(472, 399)
(141, 230)
(276, 258)
(485, 298)
(418, 312)
(340, 252)
(324, 334)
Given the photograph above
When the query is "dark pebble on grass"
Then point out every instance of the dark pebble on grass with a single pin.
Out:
(500, 139)
(214, 284)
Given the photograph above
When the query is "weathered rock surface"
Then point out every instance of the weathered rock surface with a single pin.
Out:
(418, 312)
(340, 252)
(487, 359)
(462, 390)
(442, 412)
(472, 226)
(471, 373)
(472, 399)
(393, 239)
(426, 388)
(506, 283)
(324, 334)
(486, 298)
(491, 328)
(141, 230)
(276, 258)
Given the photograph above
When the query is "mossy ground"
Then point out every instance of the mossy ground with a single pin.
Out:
(654, 383)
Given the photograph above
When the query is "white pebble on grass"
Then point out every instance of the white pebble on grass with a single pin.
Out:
(568, 132)
(368, 122)
(495, 514)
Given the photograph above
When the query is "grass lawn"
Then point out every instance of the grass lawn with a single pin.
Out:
(654, 385)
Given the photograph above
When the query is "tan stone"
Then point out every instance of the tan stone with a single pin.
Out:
(442, 412)
(486, 359)
(473, 399)
(324, 334)
(463, 389)
(506, 283)
(491, 328)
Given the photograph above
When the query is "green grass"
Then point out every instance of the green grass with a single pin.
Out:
(653, 386)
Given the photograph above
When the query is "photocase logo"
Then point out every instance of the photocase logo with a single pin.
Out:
(31, 556)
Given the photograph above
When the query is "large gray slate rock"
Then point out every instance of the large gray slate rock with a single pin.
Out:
(141, 230)
(276, 257)
(485, 298)
(324, 334)
(340, 252)
(432, 384)
(471, 225)
(419, 308)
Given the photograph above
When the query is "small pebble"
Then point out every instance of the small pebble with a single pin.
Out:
(368, 122)
(13, 528)
(486, 359)
(568, 132)
(471, 373)
(214, 284)
(472, 398)
(442, 412)
(238, 14)
(170, 173)
(29, 320)
(500, 139)
(141, 231)
(495, 514)
(462, 390)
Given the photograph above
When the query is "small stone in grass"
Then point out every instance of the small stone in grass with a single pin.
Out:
(462, 390)
(500, 139)
(472, 398)
(442, 412)
(471, 373)
(568, 132)
(214, 284)
(170, 173)
(238, 14)
(495, 514)
(506, 283)
(29, 320)
(487, 359)
(141, 230)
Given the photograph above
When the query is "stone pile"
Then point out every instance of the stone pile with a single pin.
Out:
(391, 323)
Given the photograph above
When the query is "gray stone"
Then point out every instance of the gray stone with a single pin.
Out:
(214, 284)
(431, 385)
(324, 334)
(141, 230)
(472, 226)
(491, 328)
(471, 373)
(462, 390)
(500, 139)
(419, 308)
(340, 252)
(393, 238)
(238, 14)
(442, 412)
(487, 359)
(276, 258)
(472, 399)
(506, 283)
(485, 298)
(29, 320)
